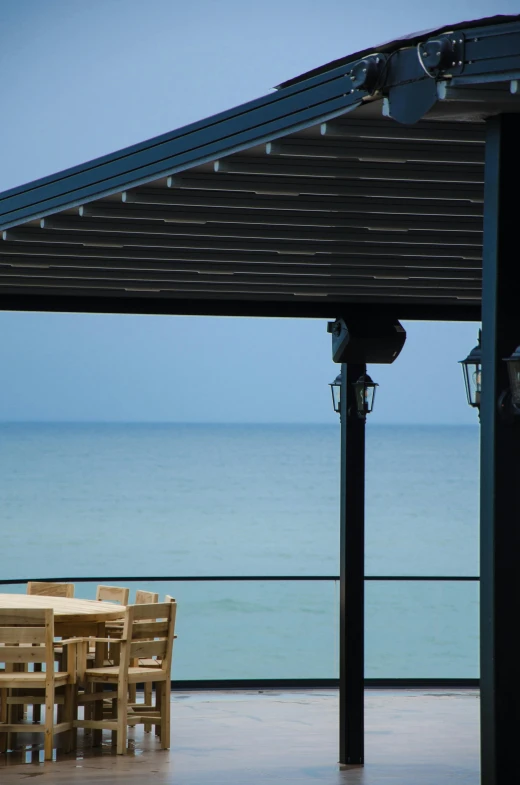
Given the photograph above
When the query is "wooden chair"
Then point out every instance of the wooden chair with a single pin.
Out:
(118, 594)
(143, 598)
(113, 594)
(33, 643)
(167, 598)
(148, 632)
(49, 589)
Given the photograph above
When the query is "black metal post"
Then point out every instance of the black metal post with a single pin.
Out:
(500, 459)
(352, 568)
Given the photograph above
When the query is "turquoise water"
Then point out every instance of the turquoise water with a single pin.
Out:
(157, 500)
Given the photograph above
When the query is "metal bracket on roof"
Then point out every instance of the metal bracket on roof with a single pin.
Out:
(366, 73)
(442, 55)
(439, 58)
(408, 103)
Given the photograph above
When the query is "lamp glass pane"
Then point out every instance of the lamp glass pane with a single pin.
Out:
(359, 388)
(473, 381)
(336, 396)
(370, 394)
(365, 393)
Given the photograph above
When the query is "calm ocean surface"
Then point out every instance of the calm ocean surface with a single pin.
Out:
(157, 500)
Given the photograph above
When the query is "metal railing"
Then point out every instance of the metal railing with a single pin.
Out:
(201, 578)
(191, 684)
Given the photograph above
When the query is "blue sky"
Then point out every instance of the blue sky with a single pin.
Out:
(80, 80)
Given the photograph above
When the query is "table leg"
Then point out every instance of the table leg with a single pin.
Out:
(99, 659)
(3, 718)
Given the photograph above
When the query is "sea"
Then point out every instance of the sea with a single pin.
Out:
(167, 501)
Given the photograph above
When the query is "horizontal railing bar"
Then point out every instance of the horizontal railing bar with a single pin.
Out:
(323, 683)
(422, 578)
(207, 578)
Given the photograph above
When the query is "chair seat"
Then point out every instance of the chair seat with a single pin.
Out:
(149, 663)
(91, 658)
(31, 679)
(111, 674)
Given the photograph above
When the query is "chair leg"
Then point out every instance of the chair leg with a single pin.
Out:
(97, 735)
(122, 716)
(37, 709)
(15, 711)
(49, 722)
(158, 707)
(68, 715)
(10, 738)
(3, 718)
(148, 690)
(114, 717)
(164, 689)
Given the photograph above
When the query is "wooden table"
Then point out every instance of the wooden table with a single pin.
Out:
(72, 617)
(67, 611)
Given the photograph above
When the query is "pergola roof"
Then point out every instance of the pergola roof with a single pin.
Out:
(308, 201)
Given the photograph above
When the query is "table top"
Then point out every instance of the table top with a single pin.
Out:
(66, 609)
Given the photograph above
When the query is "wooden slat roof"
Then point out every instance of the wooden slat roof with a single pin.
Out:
(308, 201)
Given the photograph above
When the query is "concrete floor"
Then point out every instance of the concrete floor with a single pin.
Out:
(412, 738)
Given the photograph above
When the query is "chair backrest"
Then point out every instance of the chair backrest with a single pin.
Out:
(169, 598)
(49, 589)
(32, 626)
(148, 633)
(113, 594)
(145, 597)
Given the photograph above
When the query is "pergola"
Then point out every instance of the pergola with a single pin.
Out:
(381, 186)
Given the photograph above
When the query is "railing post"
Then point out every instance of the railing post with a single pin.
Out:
(352, 566)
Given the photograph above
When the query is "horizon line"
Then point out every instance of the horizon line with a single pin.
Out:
(227, 423)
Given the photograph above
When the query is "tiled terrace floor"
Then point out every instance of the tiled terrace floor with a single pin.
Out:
(413, 738)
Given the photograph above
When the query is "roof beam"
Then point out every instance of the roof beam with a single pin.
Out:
(376, 243)
(141, 232)
(297, 307)
(422, 258)
(296, 186)
(218, 217)
(387, 204)
(336, 270)
(436, 133)
(330, 282)
(231, 288)
(362, 170)
(379, 151)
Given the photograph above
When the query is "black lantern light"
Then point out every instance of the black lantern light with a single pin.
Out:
(472, 369)
(513, 368)
(365, 392)
(335, 388)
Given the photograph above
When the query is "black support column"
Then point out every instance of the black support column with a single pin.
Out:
(352, 569)
(500, 459)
